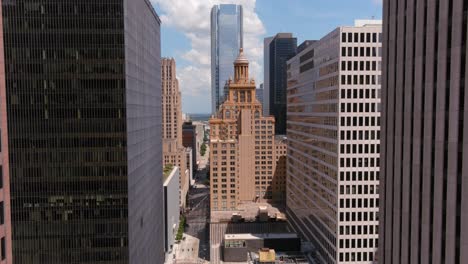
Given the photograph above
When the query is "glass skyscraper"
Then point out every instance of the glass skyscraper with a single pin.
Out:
(226, 40)
(280, 49)
(83, 130)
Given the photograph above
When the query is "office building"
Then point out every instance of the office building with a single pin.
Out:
(171, 176)
(5, 216)
(282, 47)
(334, 143)
(81, 134)
(424, 205)
(226, 40)
(259, 94)
(244, 154)
(173, 149)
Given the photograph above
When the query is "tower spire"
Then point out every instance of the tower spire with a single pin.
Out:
(241, 67)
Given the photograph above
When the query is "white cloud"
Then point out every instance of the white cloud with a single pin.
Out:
(192, 18)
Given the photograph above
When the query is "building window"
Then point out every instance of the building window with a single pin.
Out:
(3, 249)
(2, 214)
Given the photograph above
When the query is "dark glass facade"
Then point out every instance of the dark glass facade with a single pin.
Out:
(71, 99)
(282, 48)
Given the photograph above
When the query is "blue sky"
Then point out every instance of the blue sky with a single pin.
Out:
(185, 34)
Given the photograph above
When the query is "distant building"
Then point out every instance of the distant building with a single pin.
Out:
(259, 94)
(244, 156)
(226, 40)
(189, 140)
(334, 144)
(189, 164)
(171, 206)
(173, 149)
(280, 48)
(81, 140)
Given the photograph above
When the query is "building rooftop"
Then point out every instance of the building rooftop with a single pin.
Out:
(259, 236)
(168, 171)
(367, 22)
(248, 211)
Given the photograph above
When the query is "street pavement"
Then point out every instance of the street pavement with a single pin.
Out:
(195, 247)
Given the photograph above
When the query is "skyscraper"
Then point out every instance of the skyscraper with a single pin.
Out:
(333, 143)
(173, 150)
(281, 48)
(424, 194)
(266, 76)
(247, 162)
(226, 40)
(5, 215)
(81, 120)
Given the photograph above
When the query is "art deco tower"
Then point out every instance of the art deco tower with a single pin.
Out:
(247, 163)
(173, 150)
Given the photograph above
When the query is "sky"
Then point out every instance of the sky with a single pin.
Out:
(185, 34)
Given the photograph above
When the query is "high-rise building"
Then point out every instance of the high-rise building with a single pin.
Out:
(333, 143)
(282, 47)
(266, 76)
(247, 161)
(5, 215)
(259, 94)
(424, 194)
(173, 149)
(81, 119)
(226, 40)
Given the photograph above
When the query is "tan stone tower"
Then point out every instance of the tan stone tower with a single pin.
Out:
(245, 163)
(173, 150)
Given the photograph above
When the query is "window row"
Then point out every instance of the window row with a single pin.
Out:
(361, 79)
(358, 230)
(361, 37)
(223, 191)
(359, 203)
(224, 180)
(359, 162)
(356, 256)
(361, 52)
(360, 217)
(361, 65)
(360, 189)
(367, 121)
(360, 93)
(359, 148)
(359, 108)
(359, 175)
(355, 216)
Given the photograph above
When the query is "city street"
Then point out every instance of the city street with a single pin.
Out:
(195, 247)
